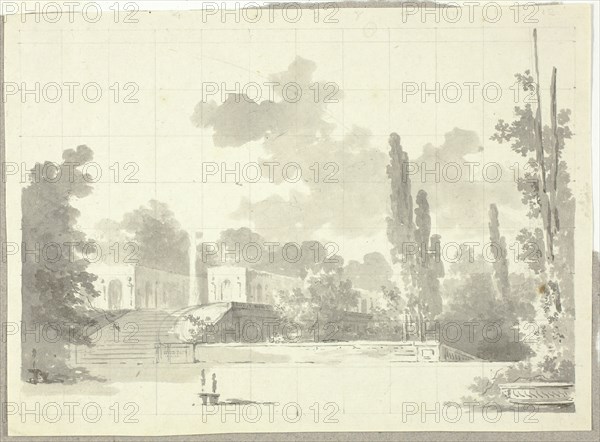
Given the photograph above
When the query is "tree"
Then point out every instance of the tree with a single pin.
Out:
(298, 309)
(470, 290)
(421, 234)
(322, 308)
(423, 230)
(400, 227)
(500, 262)
(333, 295)
(300, 260)
(372, 274)
(435, 271)
(476, 306)
(388, 318)
(545, 191)
(429, 265)
(411, 239)
(247, 248)
(57, 288)
(162, 243)
(236, 246)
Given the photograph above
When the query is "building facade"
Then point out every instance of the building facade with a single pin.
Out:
(159, 289)
(127, 287)
(240, 284)
(116, 284)
(369, 300)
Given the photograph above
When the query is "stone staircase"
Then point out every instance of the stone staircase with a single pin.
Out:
(132, 338)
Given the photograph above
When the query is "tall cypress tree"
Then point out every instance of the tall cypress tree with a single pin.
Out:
(400, 227)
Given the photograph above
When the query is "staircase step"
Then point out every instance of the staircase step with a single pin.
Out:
(135, 339)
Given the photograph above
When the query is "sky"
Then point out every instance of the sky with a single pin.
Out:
(359, 84)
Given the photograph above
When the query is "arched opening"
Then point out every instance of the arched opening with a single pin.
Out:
(226, 290)
(115, 294)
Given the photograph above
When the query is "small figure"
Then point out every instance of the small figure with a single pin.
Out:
(214, 382)
(33, 370)
(130, 285)
(38, 376)
(203, 379)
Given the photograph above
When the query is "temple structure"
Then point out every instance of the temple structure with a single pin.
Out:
(130, 286)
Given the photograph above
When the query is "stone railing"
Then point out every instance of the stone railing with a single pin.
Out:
(449, 354)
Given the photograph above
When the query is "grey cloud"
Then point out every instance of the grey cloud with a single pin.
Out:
(450, 201)
(355, 201)
(239, 120)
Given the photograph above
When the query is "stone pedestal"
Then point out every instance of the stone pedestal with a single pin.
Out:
(209, 398)
(539, 393)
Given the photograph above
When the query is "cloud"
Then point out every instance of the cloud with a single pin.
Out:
(460, 192)
(349, 196)
(458, 143)
(343, 182)
(239, 119)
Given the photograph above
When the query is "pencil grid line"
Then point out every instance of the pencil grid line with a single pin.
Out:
(343, 61)
(343, 128)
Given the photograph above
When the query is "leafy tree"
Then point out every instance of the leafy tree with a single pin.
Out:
(322, 307)
(297, 308)
(388, 317)
(372, 274)
(247, 248)
(333, 296)
(545, 191)
(57, 288)
(532, 250)
(477, 307)
(310, 258)
(235, 246)
(470, 291)
(162, 243)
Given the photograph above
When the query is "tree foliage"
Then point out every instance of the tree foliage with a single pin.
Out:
(321, 309)
(244, 247)
(499, 255)
(545, 191)
(420, 263)
(161, 242)
(57, 288)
